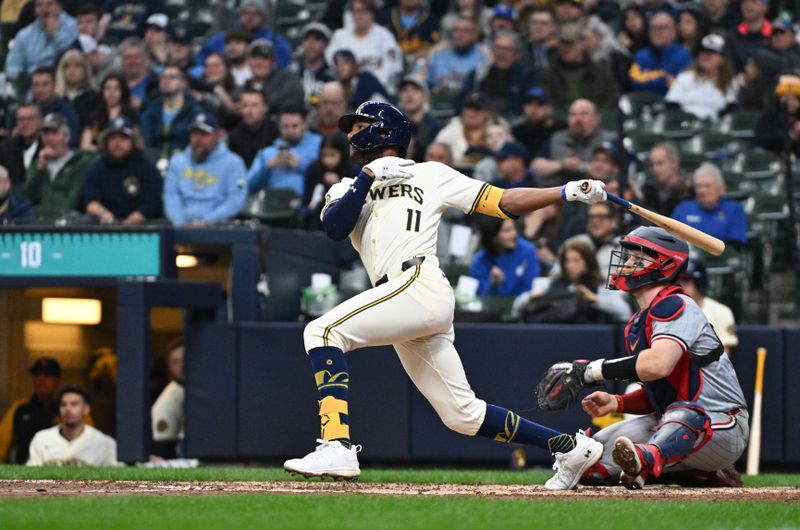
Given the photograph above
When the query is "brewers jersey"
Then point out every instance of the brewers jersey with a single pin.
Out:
(91, 448)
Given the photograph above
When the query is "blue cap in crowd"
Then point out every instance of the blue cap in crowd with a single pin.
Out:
(120, 125)
(536, 94)
(205, 122)
(510, 149)
(504, 11)
(344, 54)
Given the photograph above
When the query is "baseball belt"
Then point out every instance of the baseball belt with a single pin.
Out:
(413, 262)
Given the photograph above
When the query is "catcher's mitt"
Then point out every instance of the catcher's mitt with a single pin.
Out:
(559, 387)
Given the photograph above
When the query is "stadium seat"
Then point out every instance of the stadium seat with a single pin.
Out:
(758, 164)
(677, 124)
(640, 143)
(639, 105)
(739, 123)
(443, 107)
(277, 207)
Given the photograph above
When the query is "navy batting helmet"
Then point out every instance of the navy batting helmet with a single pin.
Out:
(665, 258)
(389, 127)
(696, 271)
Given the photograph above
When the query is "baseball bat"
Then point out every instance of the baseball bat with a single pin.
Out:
(700, 239)
(754, 446)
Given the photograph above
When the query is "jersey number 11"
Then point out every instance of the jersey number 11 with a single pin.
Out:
(412, 223)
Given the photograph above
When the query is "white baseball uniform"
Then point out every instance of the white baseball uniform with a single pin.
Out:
(413, 309)
(91, 448)
(167, 413)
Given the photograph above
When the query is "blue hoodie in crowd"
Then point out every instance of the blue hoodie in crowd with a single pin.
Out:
(209, 191)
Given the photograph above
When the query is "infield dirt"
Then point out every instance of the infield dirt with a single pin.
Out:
(85, 488)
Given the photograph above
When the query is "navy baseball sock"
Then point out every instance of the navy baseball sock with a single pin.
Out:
(332, 378)
(506, 426)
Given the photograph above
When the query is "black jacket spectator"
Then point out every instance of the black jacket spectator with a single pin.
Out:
(124, 187)
(246, 142)
(11, 157)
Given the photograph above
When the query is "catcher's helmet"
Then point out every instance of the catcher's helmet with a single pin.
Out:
(389, 127)
(696, 271)
(666, 257)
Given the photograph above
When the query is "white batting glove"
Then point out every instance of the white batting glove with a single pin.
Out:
(585, 191)
(390, 167)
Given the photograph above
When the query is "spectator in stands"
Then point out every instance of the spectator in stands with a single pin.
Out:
(784, 50)
(12, 206)
(28, 415)
(181, 53)
(332, 165)
(567, 155)
(568, 10)
(694, 281)
(504, 18)
(167, 412)
(502, 82)
(236, 46)
(216, 93)
(655, 67)
(475, 10)
(252, 21)
(577, 294)
(571, 74)
(374, 46)
(752, 34)
(692, 27)
(359, 85)
(506, 264)
(467, 130)
(537, 124)
(722, 14)
(602, 234)
(114, 102)
(88, 20)
(310, 64)
(708, 88)
(653, 7)
(73, 442)
(205, 182)
(74, 84)
(21, 149)
(634, 34)
(102, 58)
(414, 27)
(127, 18)
(280, 87)
(602, 48)
(41, 43)
(709, 211)
(413, 95)
(542, 36)
(165, 122)
(778, 127)
(669, 187)
(331, 106)
(450, 61)
(142, 81)
(498, 133)
(283, 164)
(512, 167)
(122, 186)
(256, 129)
(11, 17)
(156, 39)
(43, 89)
(439, 152)
(54, 184)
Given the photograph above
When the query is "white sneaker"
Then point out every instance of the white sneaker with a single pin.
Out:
(329, 459)
(569, 467)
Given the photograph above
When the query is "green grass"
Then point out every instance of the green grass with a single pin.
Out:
(302, 512)
(247, 511)
(416, 476)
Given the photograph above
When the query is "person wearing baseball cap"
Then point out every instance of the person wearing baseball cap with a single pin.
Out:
(205, 182)
(28, 415)
(569, 10)
(776, 124)
(784, 46)
(537, 124)
(123, 185)
(280, 87)
(752, 33)
(414, 26)
(504, 17)
(413, 95)
(708, 88)
(310, 64)
(360, 84)
(512, 167)
(54, 183)
(156, 38)
(253, 22)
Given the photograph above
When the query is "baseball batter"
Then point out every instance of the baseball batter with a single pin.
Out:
(391, 212)
(699, 417)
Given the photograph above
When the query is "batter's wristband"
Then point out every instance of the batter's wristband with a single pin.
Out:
(620, 403)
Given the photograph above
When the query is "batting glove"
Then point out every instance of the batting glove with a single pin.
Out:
(391, 167)
(585, 191)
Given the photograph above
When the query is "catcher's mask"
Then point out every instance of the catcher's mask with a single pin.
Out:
(661, 258)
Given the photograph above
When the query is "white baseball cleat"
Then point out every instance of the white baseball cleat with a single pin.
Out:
(569, 467)
(329, 459)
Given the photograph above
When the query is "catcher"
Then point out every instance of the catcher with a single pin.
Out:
(694, 415)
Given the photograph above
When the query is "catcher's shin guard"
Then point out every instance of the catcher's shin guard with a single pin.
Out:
(684, 429)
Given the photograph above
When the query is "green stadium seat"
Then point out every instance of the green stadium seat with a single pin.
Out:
(676, 124)
(758, 164)
(443, 107)
(639, 105)
(640, 143)
(739, 123)
(277, 207)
